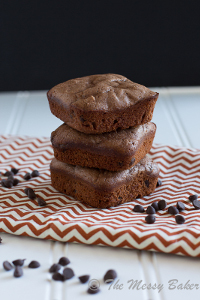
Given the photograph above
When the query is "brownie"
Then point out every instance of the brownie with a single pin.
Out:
(102, 103)
(101, 188)
(113, 151)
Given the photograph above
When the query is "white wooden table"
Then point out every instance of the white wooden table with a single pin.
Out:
(27, 113)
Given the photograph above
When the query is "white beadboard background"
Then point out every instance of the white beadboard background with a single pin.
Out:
(177, 116)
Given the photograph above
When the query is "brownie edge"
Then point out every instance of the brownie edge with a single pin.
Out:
(102, 103)
(104, 189)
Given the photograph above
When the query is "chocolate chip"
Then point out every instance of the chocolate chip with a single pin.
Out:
(68, 273)
(31, 194)
(120, 163)
(173, 210)
(93, 290)
(7, 266)
(8, 183)
(179, 219)
(147, 183)
(34, 264)
(0, 240)
(27, 176)
(159, 183)
(150, 210)
(3, 182)
(15, 181)
(150, 219)
(35, 173)
(18, 262)
(162, 204)
(15, 171)
(58, 277)
(55, 268)
(84, 278)
(138, 208)
(41, 202)
(82, 120)
(193, 197)
(155, 206)
(10, 177)
(180, 206)
(196, 204)
(64, 261)
(110, 276)
(8, 173)
(18, 271)
(26, 190)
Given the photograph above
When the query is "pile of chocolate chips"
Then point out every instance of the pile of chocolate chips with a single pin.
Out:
(11, 181)
(31, 195)
(17, 266)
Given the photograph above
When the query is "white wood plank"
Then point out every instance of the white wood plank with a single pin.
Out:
(182, 270)
(37, 119)
(95, 261)
(7, 101)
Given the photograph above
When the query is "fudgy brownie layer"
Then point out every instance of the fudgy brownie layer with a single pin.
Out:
(113, 151)
(103, 189)
(102, 103)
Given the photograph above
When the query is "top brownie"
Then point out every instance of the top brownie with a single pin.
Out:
(102, 103)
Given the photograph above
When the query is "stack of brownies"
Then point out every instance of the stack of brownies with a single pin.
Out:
(101, 149)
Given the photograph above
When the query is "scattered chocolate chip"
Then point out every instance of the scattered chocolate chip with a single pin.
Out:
(18, 271)
(0, 240)
(41, 202)
(93, 290)
(7, 266)
(15, 181)
(150, 210)
(193, 197)
(35, 173)
(34, 264)
(8, 183)
(180, 206)
(10, 177)
(132, 161)
(110, 276)
(147, 183)
(58, 277)
(179, 219)
(173, 210)
(150, 219)
(159, 183)
(155, 206)
(68, 273)
(26, 190)
(18, 262)
(27, 176)
(55, 268)
(31, 194)
(138, 208)
(162, 204)
(3, 182)
(64, 261)
(8, 173)
(15, 171)
(196, 204)
(84, 278)
(120, 163)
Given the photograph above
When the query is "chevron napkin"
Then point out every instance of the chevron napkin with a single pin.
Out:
(67, 220)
